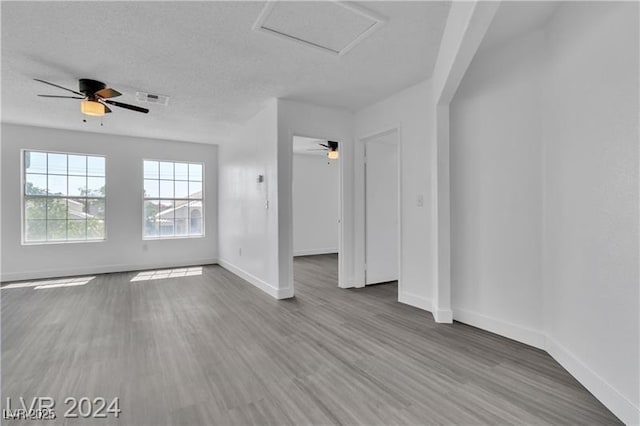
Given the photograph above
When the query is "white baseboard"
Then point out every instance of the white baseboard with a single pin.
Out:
(619, 405)
(443, 316)
(100, 269)
(415, 301)
(312, 252)
(276, 293)
(513, 331)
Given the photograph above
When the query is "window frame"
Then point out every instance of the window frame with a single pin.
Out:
(202, 200)
(24, 197)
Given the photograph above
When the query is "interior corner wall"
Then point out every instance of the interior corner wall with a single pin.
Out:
(412, 111)
(124, 249)
(591, 165)
(302, 119)
(545, 188)
(496, 195)
(248, 215)
(316, 204)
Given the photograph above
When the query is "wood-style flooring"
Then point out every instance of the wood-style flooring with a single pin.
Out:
(212, 349)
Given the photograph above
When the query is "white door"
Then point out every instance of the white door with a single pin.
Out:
(381, 209)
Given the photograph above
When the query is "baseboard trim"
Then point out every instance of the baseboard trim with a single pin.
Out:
(507, 329)
(100, 269)
(415, 301)
(619, 405)
(443, 316)
(313, 252)
(272, 291)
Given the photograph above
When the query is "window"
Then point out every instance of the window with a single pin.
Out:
(173, 200)
(64, 197)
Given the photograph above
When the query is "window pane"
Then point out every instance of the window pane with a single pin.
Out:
(55, 204)
(182, 189)
(181, 171)
(195, 217)
(151, 169)
(35, 208)
(78, 165)
(195, 172)
(165, 217)
(195, 190)
(56, 229)
(35, 162)
(77, 185)
(76, 208)
(77, 229)
(166, 170)
(57, 185)
(95, 229)
(35, 230)
(181, 213)
(151, 188)
(95, 208)
(36, 185)
(56, 208)
(95, 166)
(57, 164)
(166, 189)
(151, 220)
(95, 186)
(175, 183)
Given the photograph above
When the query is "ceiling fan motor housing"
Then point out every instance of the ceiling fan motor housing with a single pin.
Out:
(89, 87)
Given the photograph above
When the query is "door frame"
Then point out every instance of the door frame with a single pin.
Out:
(361, 212)
(341, 233)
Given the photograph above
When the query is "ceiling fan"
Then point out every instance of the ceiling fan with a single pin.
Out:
(331, 147)
(95, 95)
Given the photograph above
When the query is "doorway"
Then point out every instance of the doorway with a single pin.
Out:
(316, 210)
(381, 208)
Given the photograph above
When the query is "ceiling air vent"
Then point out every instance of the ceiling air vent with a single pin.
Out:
(332, 26)
(152, 99)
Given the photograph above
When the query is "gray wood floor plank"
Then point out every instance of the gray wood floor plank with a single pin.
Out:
(211, 349)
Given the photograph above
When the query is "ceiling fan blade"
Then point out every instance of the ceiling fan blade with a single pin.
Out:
(317, 149)
(108, 93)
(321, 144)
(64, 97)
(127, 106)
(59, 87)
(107, 110)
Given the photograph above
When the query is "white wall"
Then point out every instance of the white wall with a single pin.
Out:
(300, 119)
(316, 204)
(591, 177)
(544, 187)
(496, 195)
(248, 223)
(412, 111)
(124, 248)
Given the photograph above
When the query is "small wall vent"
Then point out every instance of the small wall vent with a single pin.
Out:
(152, 99)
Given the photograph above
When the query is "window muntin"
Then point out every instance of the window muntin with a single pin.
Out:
(63, 197)
(173, 199)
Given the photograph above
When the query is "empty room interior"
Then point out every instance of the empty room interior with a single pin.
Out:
(320, 212)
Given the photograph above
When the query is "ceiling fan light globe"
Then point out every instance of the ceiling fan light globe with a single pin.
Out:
(93, 108)
(332, 155)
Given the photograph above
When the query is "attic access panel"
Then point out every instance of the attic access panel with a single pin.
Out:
(332, 26)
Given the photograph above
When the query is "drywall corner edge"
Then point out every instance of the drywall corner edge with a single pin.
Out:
(252, 279)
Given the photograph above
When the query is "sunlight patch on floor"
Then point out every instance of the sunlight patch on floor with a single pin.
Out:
(46, 284)
(161, 274)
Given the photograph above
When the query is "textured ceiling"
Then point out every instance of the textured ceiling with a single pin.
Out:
(205, 56)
